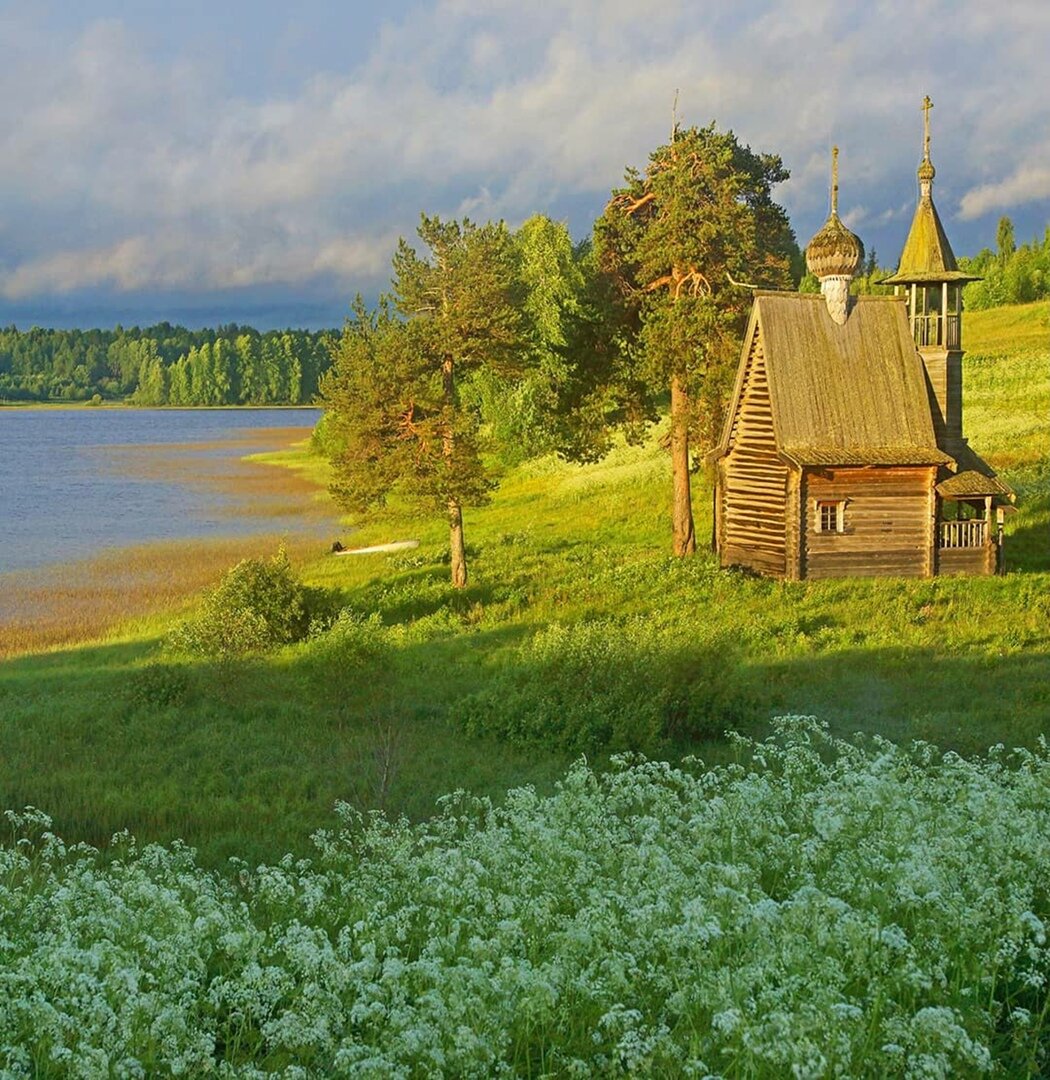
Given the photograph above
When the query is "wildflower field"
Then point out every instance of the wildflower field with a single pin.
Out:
(823, 908)
(708, 892)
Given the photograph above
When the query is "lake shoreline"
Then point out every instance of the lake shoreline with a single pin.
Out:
(87, 601)
(69, 602)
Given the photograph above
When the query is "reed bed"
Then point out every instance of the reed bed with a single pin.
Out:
(252, 485)
(90, 600)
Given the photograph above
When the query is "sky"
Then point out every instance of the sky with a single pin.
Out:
(252, 161)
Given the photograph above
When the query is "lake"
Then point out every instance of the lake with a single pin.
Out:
(76, 481)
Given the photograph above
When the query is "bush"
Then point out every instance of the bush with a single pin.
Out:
(158, 686)
(258, 605)
(611, 685)
(344, 659)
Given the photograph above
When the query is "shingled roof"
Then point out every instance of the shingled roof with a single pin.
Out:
(842, 395)
(975, 478)
(927, 257)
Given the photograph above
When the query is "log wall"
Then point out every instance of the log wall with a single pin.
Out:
(889, 527)
(971, 561)
(753, 480)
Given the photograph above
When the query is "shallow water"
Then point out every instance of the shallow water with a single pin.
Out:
(74, 482)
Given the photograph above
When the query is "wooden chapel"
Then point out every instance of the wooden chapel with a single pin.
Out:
(843, 451)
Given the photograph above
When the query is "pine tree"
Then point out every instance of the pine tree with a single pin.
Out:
(392, 396)
(681, 241)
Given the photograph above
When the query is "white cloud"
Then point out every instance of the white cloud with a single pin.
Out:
(1026, 184)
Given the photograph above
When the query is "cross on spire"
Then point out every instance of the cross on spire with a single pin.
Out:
(926, 170)
(835, 180)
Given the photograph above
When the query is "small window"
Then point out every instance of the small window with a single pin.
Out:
(830, 515)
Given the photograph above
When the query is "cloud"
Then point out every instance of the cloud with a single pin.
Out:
(172, 260)
(133, 166)
(1029, 183)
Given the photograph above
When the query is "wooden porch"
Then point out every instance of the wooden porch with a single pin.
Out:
(968, 545)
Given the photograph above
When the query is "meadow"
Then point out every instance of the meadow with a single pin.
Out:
(573, 600)
(561, 929)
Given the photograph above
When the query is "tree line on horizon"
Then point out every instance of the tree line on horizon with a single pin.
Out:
(163, 365)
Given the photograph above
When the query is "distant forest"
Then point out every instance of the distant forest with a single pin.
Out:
(163, 365)
(237, 365)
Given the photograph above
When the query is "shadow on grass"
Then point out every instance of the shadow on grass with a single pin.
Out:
(248, 758)
(1027, 547)
(963, 703)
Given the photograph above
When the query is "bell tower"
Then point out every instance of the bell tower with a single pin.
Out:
(932, 283)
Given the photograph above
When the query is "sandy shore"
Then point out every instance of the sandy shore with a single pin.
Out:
(87, 599)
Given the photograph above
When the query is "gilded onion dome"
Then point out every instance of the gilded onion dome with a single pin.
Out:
(834, 251)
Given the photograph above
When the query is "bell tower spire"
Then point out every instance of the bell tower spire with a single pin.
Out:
(932, 284)
(926, 170)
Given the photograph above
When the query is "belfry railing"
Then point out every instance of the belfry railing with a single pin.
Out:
(934, 330)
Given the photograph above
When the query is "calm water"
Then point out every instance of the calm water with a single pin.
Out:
(75, 481)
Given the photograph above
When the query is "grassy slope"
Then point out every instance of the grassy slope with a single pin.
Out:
(255, 755)
(1007, 415)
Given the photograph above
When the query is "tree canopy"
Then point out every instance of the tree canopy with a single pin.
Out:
(684, 241)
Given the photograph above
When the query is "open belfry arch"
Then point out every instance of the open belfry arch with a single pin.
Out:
(843, 451)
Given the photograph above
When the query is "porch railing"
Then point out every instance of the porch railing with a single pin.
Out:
(963, 534)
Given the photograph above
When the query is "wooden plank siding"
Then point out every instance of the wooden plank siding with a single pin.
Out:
(753, 479)
(888, 528)
(970, 561)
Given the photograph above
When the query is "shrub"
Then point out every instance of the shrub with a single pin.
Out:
(259, 604)
(158, 686)
(351, 642)
(620, 685)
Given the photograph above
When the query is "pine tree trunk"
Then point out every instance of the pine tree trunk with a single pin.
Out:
(684, 530)
(455, 543)
(457, 549)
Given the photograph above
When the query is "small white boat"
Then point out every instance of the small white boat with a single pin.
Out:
(396, 545)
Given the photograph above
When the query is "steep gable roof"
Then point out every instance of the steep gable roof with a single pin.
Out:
(849, 394)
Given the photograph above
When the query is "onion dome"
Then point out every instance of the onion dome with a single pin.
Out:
(834, 251)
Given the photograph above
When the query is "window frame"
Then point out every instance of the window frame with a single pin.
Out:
(837, 507)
